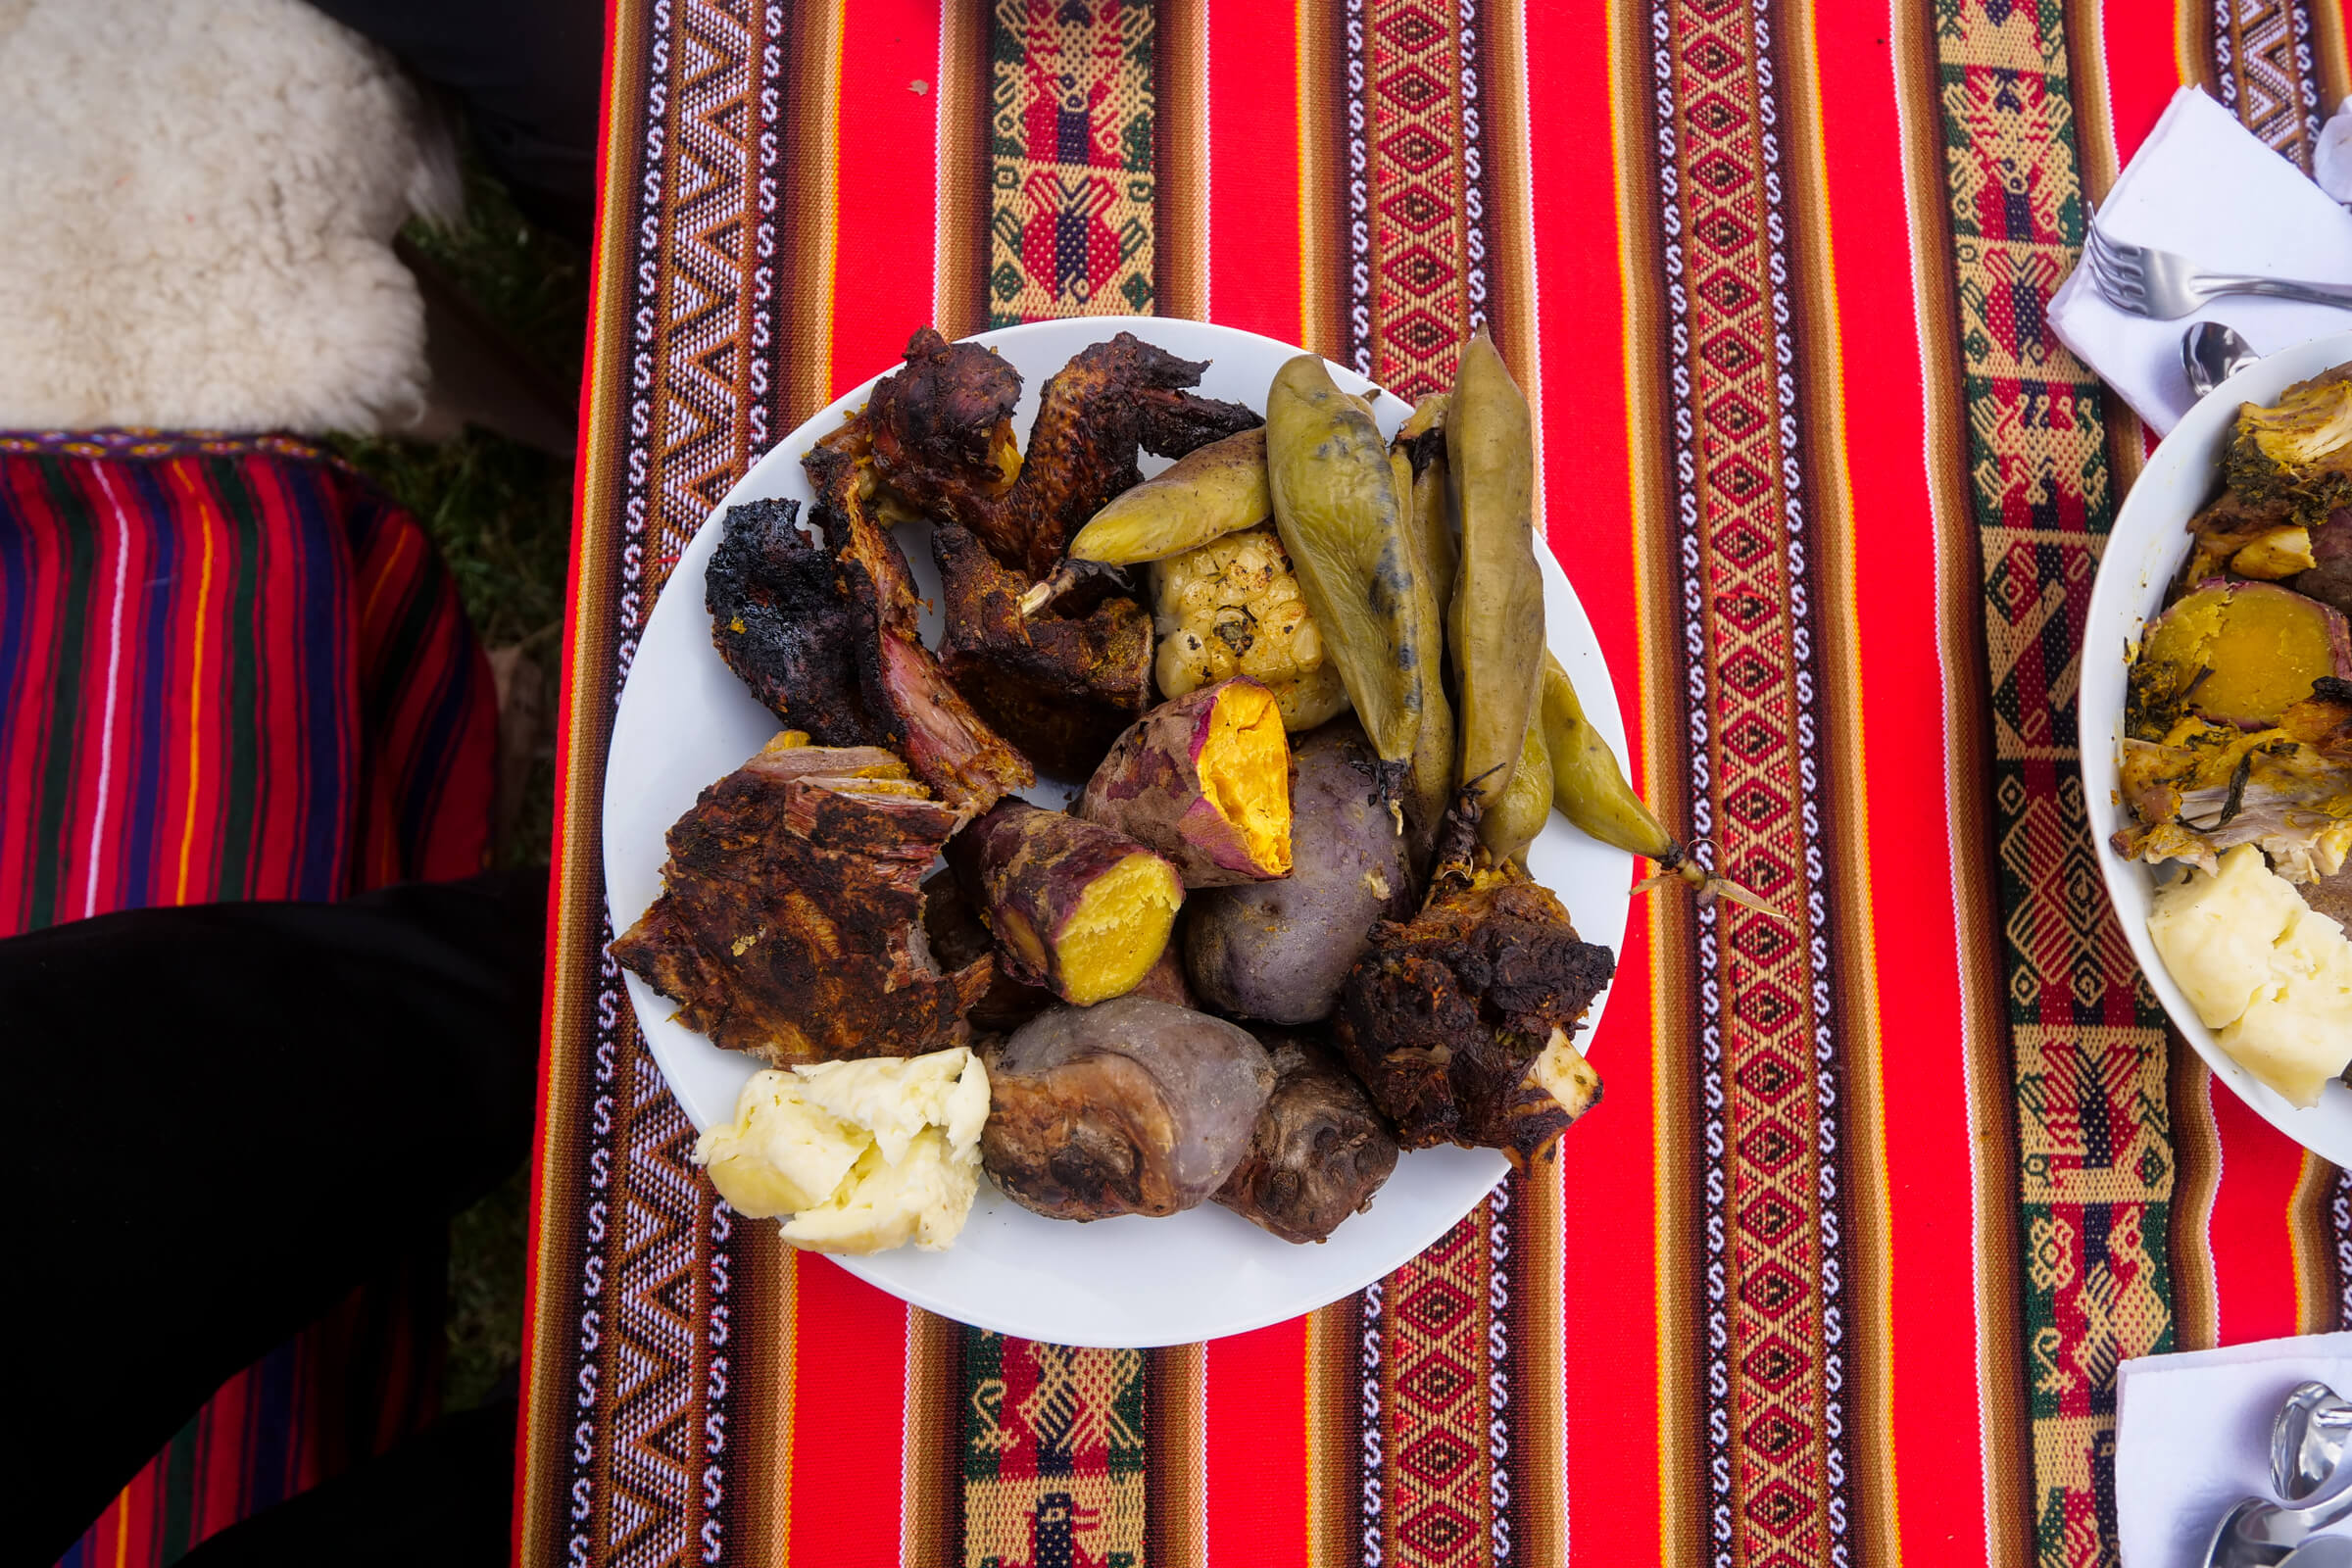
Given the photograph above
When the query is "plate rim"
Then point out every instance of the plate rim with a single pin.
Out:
(2117, 601)
(642, 995)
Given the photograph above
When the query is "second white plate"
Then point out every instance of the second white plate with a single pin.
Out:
(2147, 547)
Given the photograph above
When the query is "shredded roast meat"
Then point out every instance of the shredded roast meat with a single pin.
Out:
(2211, 787)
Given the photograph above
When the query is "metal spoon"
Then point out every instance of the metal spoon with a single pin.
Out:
(2308, 1439)
(2211, 354)
(2248, 1535)
(2260, 1533)
(2321, 1551)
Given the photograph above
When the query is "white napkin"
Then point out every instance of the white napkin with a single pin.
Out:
(2332, 159)
(2202, 185)
(2192, 1435)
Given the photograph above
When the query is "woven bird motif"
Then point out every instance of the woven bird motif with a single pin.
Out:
(1072, 102)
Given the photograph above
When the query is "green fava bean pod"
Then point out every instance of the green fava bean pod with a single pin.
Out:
(1341, 522)
(1428, 785)
(1588, 787)
(1422, 443)
(1495, 623)
(1519, 813)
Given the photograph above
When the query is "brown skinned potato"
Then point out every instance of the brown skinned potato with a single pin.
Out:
(1320, 1150)
(1279, 950)
(1130, 1108)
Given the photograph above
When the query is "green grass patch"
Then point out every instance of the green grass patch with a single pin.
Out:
(500, 513)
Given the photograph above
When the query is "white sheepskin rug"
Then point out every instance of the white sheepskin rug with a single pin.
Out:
(197, 204)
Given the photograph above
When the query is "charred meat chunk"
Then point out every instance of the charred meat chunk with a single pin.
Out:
(1460, 1021)
(1061, 687)
(791, 919)
(1319, 1152)
(790, 625)
(832, 652)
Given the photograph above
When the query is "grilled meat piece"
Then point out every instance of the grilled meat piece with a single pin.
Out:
(1094, 413)
(843, 478)
(940, 429)
(831, 649)
(1061, 686)
(949, 747)
(791, 920)
(941, 436)
(1320, 1150)
(799, 634)
(1460, 1020)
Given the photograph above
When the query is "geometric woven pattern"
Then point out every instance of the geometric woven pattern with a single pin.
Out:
(2086, 1038)
(2264, 68)
(1768, 1100)
(1923, 1136)
(1415, 278)
(1053, 1454)
(1071, 143)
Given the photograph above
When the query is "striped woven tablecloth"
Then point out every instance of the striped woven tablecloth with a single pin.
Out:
(1841, 1270)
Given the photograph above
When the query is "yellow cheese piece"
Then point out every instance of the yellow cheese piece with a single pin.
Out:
(780, 1154)
(859, 1156)
(2269, 975)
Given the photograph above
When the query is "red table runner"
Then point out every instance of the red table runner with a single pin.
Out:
(1841, 1270)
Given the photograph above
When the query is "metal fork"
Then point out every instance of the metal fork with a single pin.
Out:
(2145, 281)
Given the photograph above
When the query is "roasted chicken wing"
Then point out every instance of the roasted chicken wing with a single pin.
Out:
(941, 436)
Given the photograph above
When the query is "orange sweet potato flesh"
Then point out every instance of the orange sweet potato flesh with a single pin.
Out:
(1204, 780)
(2240, 653)
(1074, 907)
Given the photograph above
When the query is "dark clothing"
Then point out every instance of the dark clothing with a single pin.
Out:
(228, 1116)
(528, 73)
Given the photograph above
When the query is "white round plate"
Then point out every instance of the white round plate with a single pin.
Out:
(2147, 547)
(685, 721)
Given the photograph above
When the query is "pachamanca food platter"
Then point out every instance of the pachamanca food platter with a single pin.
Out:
(685, 720)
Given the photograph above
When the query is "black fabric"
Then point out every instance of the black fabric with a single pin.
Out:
(528, 73)
(224, 1116)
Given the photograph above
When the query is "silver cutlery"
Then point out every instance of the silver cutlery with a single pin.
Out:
(2211, 354)
(2144, 280)
(2321, 1551)
(2308, 1440)
(2307, 1458)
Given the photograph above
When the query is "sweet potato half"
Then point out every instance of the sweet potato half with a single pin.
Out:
(2239, 653)
(1204, 780)
(1074, 907)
